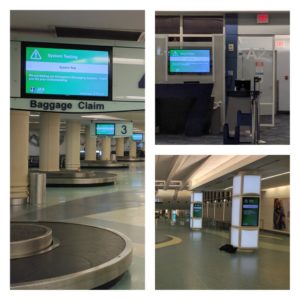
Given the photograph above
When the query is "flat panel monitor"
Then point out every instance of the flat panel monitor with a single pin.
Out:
(137, 137)
(243, 85)
(105, 129)
(190, 61)
(250, 211)
(197, 210)
(174, 216)
(65, 71)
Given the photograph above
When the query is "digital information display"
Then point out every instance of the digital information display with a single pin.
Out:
(174, 216)
(190, 61)
(137, 137)
(250, 211)
(59, 70)
(197, 210)
(105, 129)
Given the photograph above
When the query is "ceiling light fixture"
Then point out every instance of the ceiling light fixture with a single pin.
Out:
(265, 178)
(277, 175)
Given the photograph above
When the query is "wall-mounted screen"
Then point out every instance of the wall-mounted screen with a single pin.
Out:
(250, 211)
(189, 61)
(174, 216)
(137, 137)
(105, 129)
(197, 210)
(65, 71)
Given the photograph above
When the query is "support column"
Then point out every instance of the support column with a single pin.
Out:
(19, 142)
(245, 211)
(49, 141)
(120, 147)
(106, 148)
(90, 145)
(132, 151)
(73, 145)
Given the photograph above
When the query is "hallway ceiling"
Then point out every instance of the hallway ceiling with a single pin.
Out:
(216, 172)
(47, 20)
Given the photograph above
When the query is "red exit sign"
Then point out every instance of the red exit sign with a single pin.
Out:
(280, 44)
(262, 18)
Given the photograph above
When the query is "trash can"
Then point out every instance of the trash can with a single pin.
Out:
(113, 156)
(37, 191)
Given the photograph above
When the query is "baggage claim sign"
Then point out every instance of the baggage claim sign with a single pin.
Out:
(74, 106)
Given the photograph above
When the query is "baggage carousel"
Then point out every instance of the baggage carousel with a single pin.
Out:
(109, 164)
(79, 178)
(57, 255)
(130, 159)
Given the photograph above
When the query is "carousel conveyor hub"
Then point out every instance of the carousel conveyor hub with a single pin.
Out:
(57, 255)
(109, 164)
(79, 178)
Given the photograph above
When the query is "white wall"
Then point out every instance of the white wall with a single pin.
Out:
(267, 206)
(128, 69)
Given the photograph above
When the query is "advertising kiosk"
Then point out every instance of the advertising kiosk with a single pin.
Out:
(245, 211)
(196, 210)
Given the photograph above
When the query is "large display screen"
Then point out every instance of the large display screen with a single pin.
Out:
(189, 61)
(65, 71)
(197, 210)
(250, 211)
(137, 137)
(106, 129)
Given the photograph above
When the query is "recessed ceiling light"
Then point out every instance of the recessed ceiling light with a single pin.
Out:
(101, 117)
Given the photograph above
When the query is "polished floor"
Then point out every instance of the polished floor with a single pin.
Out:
(119, 207)
(195, 262)
(277, 135)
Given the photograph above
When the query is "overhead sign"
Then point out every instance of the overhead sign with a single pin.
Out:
(122, 129)
(74, 106)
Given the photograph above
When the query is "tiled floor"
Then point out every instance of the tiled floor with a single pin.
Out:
(119, 207)
(197, 262)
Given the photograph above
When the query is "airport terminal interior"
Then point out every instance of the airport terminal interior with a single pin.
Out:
(77, 148)
(206, 97)
(222, 222)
